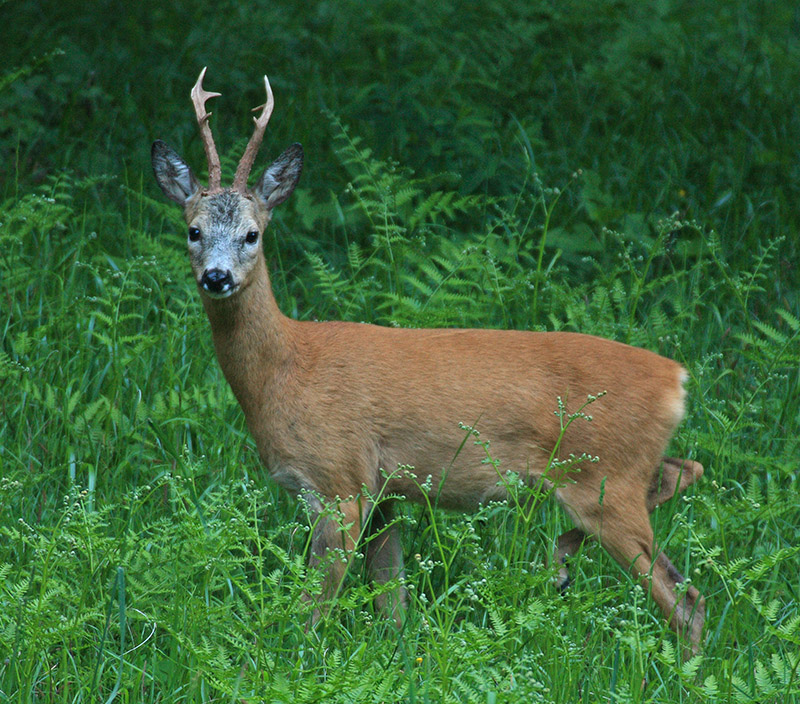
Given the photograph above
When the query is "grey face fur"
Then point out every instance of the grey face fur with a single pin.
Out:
(225, 227)
(225, 237)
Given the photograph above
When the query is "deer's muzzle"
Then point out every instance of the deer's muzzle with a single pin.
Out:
(217, 283)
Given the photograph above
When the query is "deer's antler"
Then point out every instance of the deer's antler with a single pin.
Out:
(199, 97)
(246, 163)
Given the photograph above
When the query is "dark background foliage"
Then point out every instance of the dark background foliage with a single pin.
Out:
(675, 106)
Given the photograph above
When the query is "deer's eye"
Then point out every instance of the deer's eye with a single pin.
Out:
(251, 237)
(194, 234)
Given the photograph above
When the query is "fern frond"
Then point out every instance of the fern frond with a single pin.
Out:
(792, 321)
(773, 334)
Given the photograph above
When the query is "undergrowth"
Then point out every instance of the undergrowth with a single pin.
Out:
(145, 554)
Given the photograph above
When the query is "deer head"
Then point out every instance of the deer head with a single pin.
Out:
(225, 225)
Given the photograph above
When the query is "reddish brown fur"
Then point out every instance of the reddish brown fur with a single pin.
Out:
(332, 404)
(337, 407)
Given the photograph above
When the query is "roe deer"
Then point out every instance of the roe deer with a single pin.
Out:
(336, 408)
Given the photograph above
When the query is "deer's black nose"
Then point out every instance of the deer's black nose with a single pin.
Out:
(216, 280)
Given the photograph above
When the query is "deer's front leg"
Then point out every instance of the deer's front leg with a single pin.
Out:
(384, 555)
(336, 530)
(567, 546)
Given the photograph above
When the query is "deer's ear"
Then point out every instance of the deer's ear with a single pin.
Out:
(280, 178)
(172, 174)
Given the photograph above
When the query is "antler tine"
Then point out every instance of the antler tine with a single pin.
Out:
(199, 97)
(249, 156)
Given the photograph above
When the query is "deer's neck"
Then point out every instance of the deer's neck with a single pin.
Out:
(251, 339)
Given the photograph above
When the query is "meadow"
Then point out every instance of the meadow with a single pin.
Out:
(625, 169)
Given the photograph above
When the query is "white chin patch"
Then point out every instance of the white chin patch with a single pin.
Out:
(224, 293)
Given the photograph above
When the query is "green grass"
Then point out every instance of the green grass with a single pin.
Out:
(604, 168)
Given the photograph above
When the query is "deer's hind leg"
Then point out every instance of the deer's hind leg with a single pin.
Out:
(622, 525)
(636, 550)
(673, 475)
